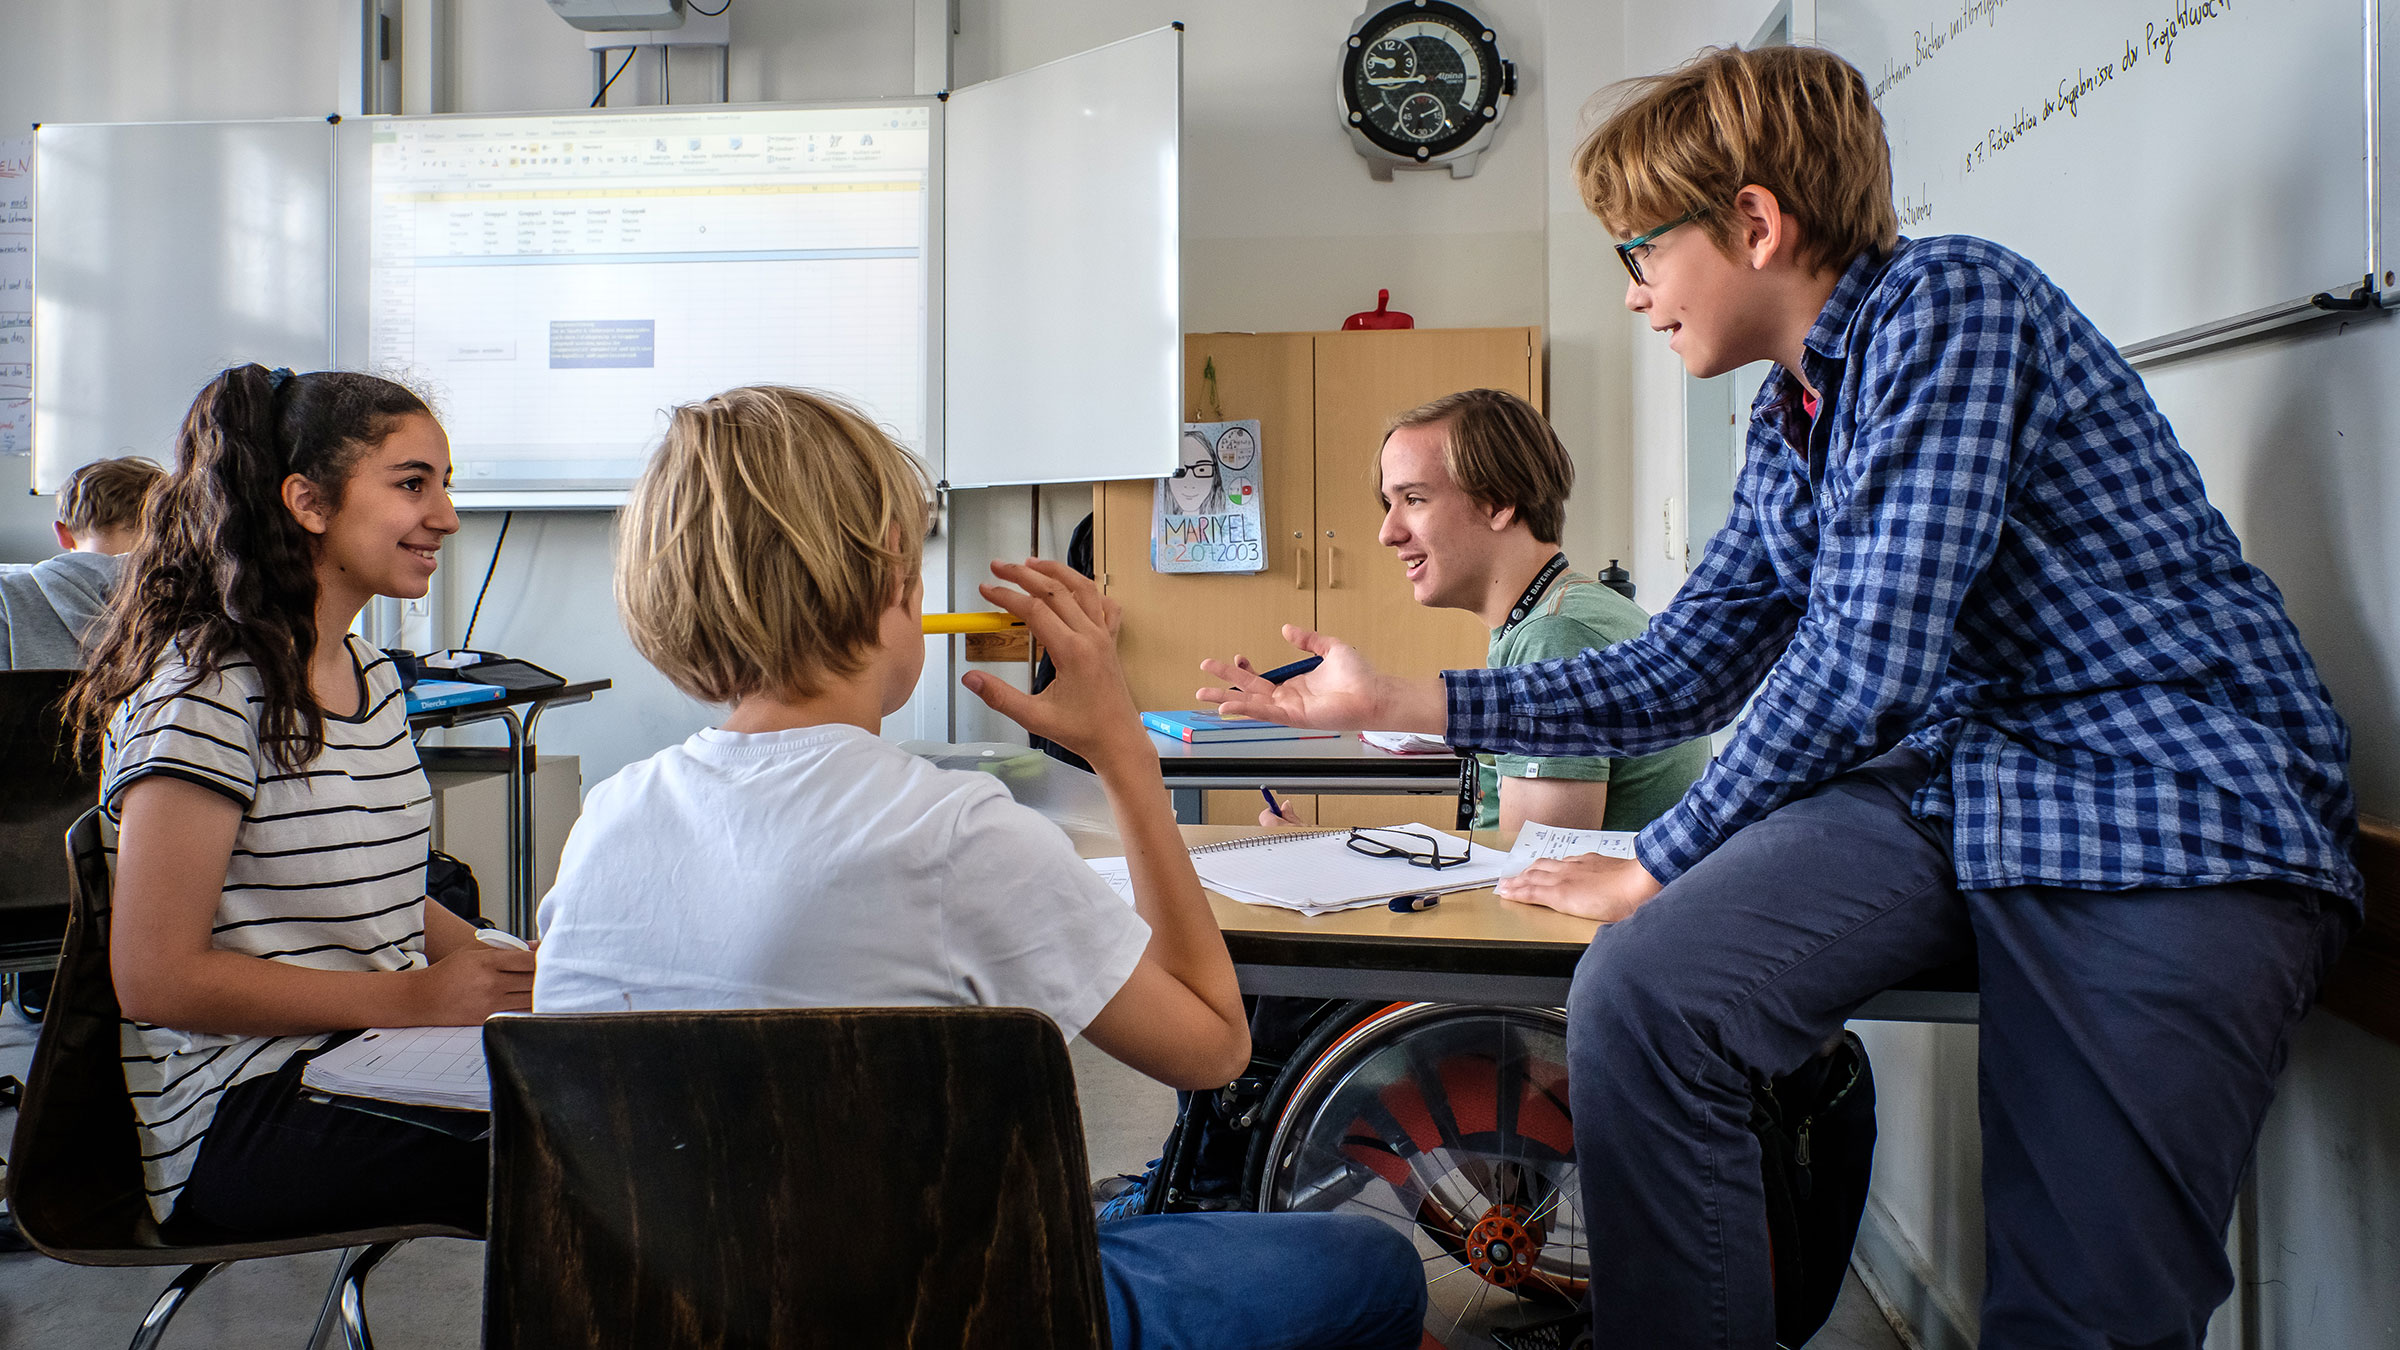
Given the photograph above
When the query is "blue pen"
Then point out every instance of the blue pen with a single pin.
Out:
(1300, 667)
(1410, 904)
(1272, 804)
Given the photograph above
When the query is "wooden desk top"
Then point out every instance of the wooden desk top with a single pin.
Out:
(1471, 933)
(1476, 916)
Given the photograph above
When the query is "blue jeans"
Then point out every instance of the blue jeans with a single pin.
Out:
(2129, 1045)
(1242, 1281)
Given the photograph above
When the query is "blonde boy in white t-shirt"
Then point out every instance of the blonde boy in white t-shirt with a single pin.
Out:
(790, 857)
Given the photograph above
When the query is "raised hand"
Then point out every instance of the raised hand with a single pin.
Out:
(1088, 708)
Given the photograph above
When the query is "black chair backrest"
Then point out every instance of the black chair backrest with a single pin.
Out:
(42, 790)
(74, 1172)
(785, 1178)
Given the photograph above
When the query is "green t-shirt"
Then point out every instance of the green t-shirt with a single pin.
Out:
(1575, 614)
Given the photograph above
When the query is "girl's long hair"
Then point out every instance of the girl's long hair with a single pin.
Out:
(224, 572)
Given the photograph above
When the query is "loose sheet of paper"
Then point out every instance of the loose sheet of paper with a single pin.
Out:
(1116, 873)
(1535, 842)
(1406, 742)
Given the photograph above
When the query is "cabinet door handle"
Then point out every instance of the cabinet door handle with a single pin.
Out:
(1333, 568)
(1300, 568)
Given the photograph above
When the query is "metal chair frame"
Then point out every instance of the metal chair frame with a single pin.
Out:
(74, 1171)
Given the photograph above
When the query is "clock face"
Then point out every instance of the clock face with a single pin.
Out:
(1421, 78)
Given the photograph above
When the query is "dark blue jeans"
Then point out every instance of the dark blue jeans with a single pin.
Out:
(1245, 1281)
(2129, 1046)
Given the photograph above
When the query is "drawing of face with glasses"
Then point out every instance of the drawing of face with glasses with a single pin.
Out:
(1195, 490)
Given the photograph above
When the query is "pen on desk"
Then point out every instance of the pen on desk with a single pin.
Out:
(1410, 904)
(501, 937)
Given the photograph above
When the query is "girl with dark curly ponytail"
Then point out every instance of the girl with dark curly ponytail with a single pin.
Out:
(266, 815)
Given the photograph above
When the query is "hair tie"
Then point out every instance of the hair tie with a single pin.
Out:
(277, 377)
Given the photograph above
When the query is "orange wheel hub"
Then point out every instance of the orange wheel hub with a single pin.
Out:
(1502, 1246)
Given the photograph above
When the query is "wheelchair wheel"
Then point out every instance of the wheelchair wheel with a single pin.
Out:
(1450, 1123)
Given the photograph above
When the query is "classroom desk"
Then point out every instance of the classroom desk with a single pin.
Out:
(1473, 947)
(519, 766)
(1327, 764)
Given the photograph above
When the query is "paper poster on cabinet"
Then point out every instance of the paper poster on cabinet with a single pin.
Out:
(1206, 516)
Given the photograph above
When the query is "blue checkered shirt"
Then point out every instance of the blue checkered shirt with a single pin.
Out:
(1986, 546)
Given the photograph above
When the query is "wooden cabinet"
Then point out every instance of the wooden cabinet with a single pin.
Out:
(1322, 401)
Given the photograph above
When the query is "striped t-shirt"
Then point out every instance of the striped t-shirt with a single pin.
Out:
(328, 870)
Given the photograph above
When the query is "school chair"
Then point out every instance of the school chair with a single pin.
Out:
(74, 1171)
(823, 1177)
(42, 790)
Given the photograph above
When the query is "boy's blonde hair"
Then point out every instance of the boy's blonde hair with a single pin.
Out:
(1796, 121)
(1500, 451)
(764, 542)
(107, 494)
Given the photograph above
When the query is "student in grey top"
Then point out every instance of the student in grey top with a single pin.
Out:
(46, 607)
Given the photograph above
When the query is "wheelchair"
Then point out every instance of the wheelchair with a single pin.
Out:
(1447, 1121)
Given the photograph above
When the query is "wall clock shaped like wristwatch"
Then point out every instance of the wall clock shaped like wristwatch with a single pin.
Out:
(1423, 85)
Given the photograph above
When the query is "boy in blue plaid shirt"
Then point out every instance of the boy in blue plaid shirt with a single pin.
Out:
(2018, 698)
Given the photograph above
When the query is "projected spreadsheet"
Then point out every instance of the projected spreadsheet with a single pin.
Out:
(558, 284)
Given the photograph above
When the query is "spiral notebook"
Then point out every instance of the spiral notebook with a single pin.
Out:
(1318, 872)
(416, 1066)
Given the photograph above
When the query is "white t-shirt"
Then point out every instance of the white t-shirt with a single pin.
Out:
(823, 867)
(328, 870)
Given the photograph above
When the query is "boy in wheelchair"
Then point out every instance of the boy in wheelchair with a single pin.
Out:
(789, 857)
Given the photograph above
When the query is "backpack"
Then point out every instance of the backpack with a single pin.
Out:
(1816, 1137)
(451, 884)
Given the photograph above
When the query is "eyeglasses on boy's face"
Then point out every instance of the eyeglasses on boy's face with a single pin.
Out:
(1418, 850)
(1634, 250)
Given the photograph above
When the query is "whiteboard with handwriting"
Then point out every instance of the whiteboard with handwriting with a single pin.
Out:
(16, 295)
(2169, 163)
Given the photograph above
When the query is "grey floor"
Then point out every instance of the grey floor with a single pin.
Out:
(429, 1293)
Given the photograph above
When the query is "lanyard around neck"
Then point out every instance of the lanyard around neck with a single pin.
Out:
(1533, 593)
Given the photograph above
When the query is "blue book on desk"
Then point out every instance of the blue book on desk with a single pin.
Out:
(426, 695)
(1199, 728)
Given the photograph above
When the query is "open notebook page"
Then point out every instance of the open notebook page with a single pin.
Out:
(420, 1066)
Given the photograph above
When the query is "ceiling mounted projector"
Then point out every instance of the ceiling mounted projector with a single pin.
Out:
(617, 16)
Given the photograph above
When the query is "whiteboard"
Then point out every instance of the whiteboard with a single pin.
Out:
(166, 252)
(1063, 304)
(555, 283)
(163, 253)
(2169, 165)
